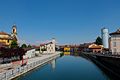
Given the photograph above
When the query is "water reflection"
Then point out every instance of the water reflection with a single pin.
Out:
(104, 71)
(53, 63)
(66, 53)
(68, 68)
(71, 53)
(99, 65)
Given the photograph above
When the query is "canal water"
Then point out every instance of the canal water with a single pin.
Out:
(67, 68)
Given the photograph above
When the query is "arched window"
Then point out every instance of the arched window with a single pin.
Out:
(13, 30)
(8, 41)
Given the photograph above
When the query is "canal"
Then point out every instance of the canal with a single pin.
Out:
(67, 68)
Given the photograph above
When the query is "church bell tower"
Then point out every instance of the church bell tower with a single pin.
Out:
(14, 30)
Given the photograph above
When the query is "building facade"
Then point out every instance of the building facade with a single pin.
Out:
(48, 47)
(6, 38)
(95, 48)
(115, 42)
(29, 54)
(66, 49)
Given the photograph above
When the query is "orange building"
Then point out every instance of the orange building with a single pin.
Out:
(95, 48)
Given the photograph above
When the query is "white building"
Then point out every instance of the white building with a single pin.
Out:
(29, 54)
(48, 47)
(115, 42)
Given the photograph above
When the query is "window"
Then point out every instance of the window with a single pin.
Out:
(114, 44)
(52, 48)
(8, 41)
(13, 30)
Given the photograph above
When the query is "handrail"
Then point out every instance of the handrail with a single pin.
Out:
(10, 74)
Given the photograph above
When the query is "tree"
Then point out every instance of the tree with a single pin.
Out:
(43, 49)
(98, 41)
(12, 54)
(14, 44)
(24, 46)
(29, 46)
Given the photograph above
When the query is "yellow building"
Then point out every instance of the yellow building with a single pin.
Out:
(66, 49)
(6, 38)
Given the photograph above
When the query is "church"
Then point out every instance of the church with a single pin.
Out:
(6, 38)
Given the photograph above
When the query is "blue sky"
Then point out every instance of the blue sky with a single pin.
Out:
(69, 21)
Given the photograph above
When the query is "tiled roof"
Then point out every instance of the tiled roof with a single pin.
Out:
(8, 38)
(94, 46)
(46, 43)
(116, 33)
(4, 33)
(42, 44)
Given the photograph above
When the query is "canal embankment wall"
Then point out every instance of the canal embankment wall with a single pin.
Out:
(33, 63)
(109, 63)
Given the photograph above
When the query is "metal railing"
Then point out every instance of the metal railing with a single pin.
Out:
(12, 73)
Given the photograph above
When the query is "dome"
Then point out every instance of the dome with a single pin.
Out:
(14, 26)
